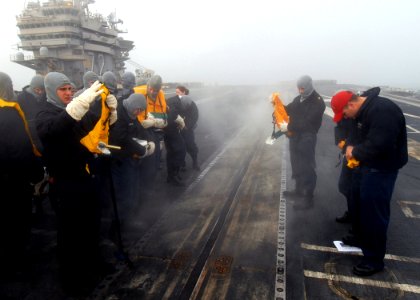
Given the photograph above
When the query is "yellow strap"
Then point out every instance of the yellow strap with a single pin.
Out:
(16, 106)
(100, 132)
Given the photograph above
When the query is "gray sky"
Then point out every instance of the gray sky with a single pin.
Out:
(245, 42)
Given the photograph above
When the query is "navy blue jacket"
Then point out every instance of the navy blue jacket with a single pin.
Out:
(305, 116)
(64, 155)
(381, 130)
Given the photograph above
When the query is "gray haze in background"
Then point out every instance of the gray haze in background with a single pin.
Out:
(259, 42)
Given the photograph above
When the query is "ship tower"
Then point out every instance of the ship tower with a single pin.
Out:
(64, 36)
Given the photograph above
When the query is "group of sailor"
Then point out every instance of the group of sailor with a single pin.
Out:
(89, 146)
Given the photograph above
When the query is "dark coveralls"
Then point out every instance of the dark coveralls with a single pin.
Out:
(382, 151)
(305, 119)
(190, 115)
(31, 106)
(19, 167)
(123, 93)
(69, 164)
(174, 142)
(126, 163)
(342, 133)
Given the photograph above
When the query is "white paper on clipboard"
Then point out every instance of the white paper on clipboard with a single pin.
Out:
(341, 247)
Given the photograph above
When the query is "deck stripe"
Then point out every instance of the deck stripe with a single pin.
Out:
(334, 250)
(280, 285)
(362, 281)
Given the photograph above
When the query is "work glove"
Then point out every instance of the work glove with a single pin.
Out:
(283, 126)
(180, 121)
(352, 163)
(148, 123)
(112, 103)
(79, 106)
(160, 123)
(150, 149)
(113, 117)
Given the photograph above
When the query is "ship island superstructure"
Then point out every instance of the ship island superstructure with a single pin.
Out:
(64, 36)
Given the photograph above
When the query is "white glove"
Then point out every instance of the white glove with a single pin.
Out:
(160, 123)
(150, 149)
(112, 102)
(148, 123)
(113, 117)
(283, 126)
(180, 121)
(79, 106)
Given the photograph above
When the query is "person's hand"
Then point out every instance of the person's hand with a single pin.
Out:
(180, 121)
(349, 152)
(160, 123)
(78, 107)
(113, 117)
(150, 149)
(148, 123)
(283, 126)
(112, 102)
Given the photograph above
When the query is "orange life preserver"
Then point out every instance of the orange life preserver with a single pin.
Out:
(157, 107)
(279, 114)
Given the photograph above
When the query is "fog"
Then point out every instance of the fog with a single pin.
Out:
(259, 42)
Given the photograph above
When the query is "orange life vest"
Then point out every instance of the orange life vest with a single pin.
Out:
(157, 107)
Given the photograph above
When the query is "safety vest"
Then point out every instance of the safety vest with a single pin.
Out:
(100, 132)
(157, 108)
(16, 106)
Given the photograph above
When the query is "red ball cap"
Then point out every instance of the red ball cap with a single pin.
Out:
(338, 101)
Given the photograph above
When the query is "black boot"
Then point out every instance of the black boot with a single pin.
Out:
(306, 202)
(345, 218)
(196, 166)
(174, 180)
(293, 193)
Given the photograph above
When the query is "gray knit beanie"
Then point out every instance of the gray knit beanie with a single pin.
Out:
(53, 81)
(128, 80)
(6, 87)
(110, 81)
(305, 82)
(185, 102)
(155, 82)
(134, 102)
(89, 78)
(37, 82)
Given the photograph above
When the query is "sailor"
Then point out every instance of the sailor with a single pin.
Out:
(88, 79)
(62, 123)
(381, 150)
(136, 144)
(128, 81)
(154, 118)
(305, 118)
(31, 100)
(19, 167)
(174, 142)
(189, 112)
(342, 138)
